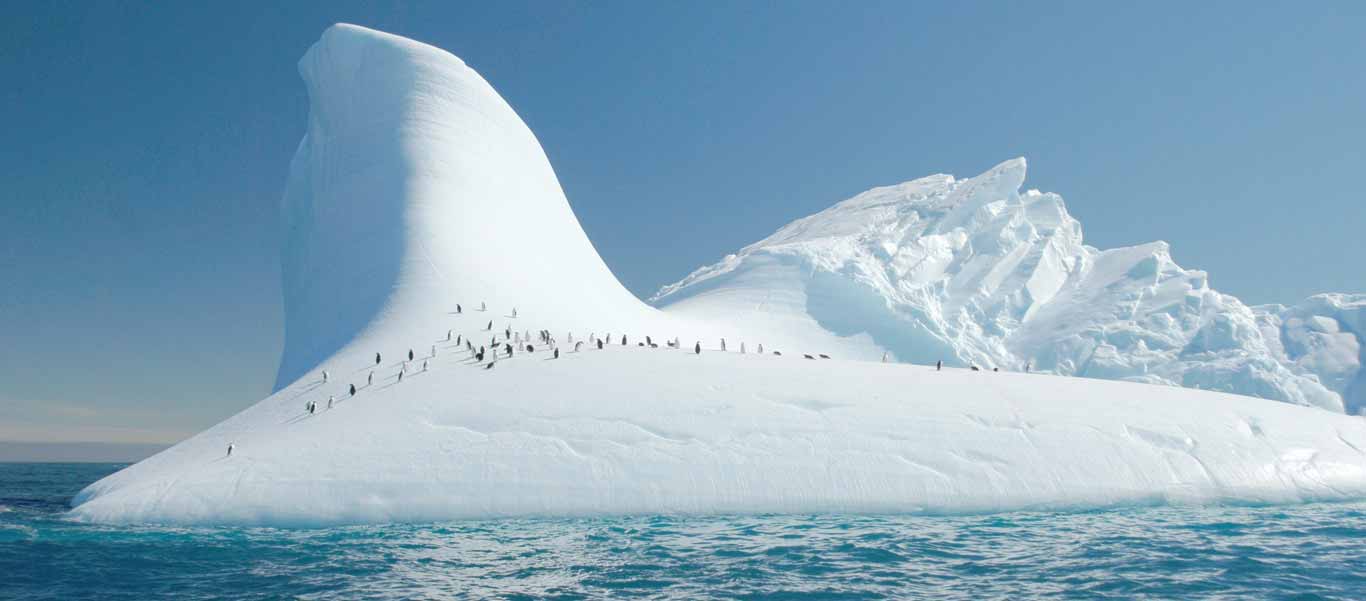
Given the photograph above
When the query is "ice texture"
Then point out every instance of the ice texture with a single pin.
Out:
(417, 188)
(976, 272)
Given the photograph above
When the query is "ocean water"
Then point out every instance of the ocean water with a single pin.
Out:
(1285, 552)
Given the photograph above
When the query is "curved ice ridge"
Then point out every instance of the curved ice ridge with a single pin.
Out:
(417, 190)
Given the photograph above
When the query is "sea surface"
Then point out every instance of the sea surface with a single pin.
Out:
(1313, 551)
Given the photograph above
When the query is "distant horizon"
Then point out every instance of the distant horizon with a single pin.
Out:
(146, 153)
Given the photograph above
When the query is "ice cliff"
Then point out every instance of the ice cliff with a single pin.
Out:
(977, 271)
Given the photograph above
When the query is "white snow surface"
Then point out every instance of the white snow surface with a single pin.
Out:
(417, 187)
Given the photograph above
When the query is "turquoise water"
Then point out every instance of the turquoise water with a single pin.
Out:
(1287, 552)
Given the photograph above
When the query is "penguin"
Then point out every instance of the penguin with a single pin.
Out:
(457, 308)
(370, 381)
(530, 349)
(577, 345)
(482, 306)
(410, 354)
(514, 312)
(479, 356)
(312, 407)
(742, 348)
(489, 366)
(433, 350)
(809, 357)
(508, 348)
(975, 368)
(697, 348)
(599, 344)
(884, 357)
(939, 365)
(557, 353)
(324, 376)
(424, 365)
(507, 332)
(995, 369)
(376, 358)
(570, 338)
(230, 447)
(330, 400)
(777, 353)
(1027, 366)
(648, 341)
(761, 348)
(353, 390)
(457, 339)
(824, 356)
(448, 335)
(623, 340)
(723, 345)
(489, 328)
(400, 376)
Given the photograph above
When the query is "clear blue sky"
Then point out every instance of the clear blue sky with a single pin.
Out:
(143, 152)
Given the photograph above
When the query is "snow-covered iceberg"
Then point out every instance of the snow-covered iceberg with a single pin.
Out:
(978, 271)
(421, 213)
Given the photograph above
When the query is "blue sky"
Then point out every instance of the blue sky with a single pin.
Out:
(144, 151)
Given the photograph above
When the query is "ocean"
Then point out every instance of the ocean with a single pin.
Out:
(1315, 551)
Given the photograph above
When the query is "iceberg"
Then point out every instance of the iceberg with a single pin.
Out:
(423, 218)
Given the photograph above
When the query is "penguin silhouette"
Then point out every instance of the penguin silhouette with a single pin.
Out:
(939, 365)
(648, 341)
(697, 348)
(489, 366)
(457, 308)
(824, 356)
(577, 345)
(809, 357)
(353, 390)
(410, 354)
(376, 358)
(623, 340)
(370, 380)
(599, 344)
(777, 353)
(530, 349)
(508, 348)
(489, 328)
(557, 353)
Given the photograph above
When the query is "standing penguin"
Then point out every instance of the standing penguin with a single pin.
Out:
(376, 358)
(448, 335)
(599, 344)
(433, 350)
(723, 345)
(410, 354)
(530, 349)
(330, 399)
(489, 328)
(623, 340)
(457, 308)
(424, 365)
(324, 376)
(761, 348)
(400, 375)
(508, 347)
(939, 365)
(482, 306)
(507, 332)
(514, 312)
(742, 348)
(884, 357)
(697, 348)
(230, 447)
(353, 390)
(557, 353)
(312, 407)
(647, 341)
(457, 339)
(370, 381)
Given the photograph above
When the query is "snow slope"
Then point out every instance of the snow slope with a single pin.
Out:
(417, 188)
(977, 272)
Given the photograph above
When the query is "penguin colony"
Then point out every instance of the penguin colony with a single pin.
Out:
(476, 356)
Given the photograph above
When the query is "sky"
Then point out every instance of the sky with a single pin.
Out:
(144, 149)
